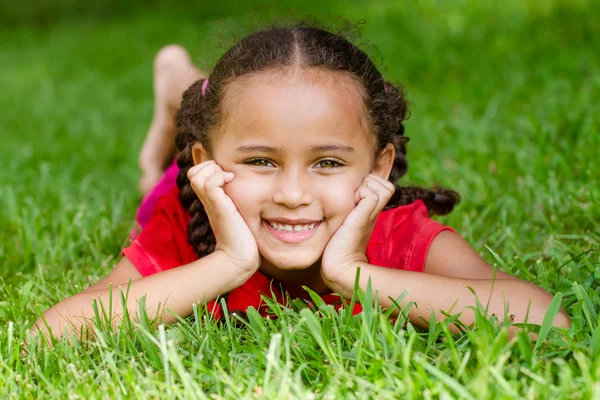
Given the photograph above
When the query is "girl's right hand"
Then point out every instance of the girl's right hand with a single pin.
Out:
(233, 237)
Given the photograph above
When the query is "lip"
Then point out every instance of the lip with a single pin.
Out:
(293, 236)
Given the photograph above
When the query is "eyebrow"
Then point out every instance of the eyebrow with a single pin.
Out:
(312, 149)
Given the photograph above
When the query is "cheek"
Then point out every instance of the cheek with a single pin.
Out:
(246, 194)
(338, 198)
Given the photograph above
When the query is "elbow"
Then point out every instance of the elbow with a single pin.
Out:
(533, 298)
(562, 320)
(40, 330)
(50, 325)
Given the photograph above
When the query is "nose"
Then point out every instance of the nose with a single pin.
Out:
(293, 189)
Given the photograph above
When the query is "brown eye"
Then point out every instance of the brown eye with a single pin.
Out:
(329, 164)
(260, 162)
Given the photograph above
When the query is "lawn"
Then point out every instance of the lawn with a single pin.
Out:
(505, 109)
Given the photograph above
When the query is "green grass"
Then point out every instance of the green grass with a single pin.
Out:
(505, 108)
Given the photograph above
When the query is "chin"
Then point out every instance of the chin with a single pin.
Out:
(290, 261)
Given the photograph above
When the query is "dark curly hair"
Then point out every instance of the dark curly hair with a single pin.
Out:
(303, 47)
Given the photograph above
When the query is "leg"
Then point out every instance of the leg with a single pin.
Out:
(173, 74)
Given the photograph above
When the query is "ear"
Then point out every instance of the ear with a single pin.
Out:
(385, 161)
(199, 153)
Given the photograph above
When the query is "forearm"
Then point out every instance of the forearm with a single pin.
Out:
(437, 293)
(176, 290)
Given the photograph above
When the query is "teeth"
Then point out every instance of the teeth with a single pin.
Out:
(291, 228)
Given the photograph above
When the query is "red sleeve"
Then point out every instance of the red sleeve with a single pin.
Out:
(163, 243)
(402, 237)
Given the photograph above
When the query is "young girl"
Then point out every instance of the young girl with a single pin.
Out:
(289, 154)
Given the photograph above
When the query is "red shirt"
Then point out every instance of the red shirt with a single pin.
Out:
(400, 239)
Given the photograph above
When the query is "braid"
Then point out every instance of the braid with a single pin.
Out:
(200, 234)
(439, 201)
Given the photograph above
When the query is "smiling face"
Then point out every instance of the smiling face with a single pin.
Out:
(299, 147)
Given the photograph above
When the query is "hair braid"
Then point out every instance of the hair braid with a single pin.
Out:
(200, 234)
(438, 200)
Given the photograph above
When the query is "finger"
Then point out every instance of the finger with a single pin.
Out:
(205, 168)
(217, 180)
(198, 180)
(201, 173)
(383, 190)
(366, 207)
(198, 167)
(387, 184)
(214, 193)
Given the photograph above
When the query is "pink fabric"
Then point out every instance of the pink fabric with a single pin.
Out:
(166, 183)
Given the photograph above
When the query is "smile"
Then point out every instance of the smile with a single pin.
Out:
(291, 228)
(291, 233)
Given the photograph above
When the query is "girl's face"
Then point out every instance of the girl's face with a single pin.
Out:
(299, 149)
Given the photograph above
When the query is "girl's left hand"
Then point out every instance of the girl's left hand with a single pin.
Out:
(348, 245)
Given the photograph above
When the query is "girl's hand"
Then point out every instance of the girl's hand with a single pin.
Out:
(233, 237)
(348, 245)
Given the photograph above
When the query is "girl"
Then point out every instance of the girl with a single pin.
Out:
(289, 154)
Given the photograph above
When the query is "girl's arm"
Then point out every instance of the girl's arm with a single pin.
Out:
(176, 289)
(234, 261)
(451, 268)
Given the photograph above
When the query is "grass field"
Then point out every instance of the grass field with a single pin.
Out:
(505, 109)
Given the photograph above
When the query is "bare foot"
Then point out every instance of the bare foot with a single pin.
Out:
(174, 72)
